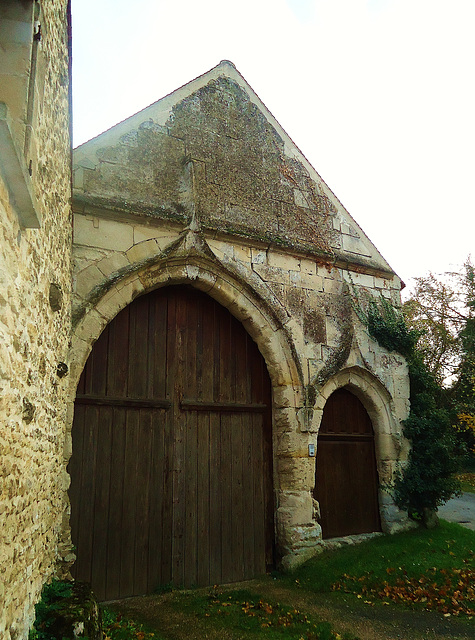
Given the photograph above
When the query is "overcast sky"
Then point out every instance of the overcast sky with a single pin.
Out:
(378, 94)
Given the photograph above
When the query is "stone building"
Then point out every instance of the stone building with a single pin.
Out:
(35, 284)
(203, 373)
(217, 350)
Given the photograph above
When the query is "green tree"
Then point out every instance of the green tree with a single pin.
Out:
(441, 309)
(462, 393)
(436, 310)
(427, 480)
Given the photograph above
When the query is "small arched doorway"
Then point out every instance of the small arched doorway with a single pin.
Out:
(171, 471)
(346, 479)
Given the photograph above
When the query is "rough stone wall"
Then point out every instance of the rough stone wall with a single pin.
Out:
(204, 187)
(34, 328)
(297, 309)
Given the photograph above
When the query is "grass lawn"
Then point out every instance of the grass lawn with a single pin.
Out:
(467, 480)
(431, 570)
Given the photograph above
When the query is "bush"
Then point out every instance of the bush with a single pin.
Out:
(427, 480)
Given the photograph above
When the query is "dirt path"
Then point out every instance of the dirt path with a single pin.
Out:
(344, 612)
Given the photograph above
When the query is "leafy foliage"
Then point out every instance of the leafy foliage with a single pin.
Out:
(436, 310)
(449, 591)
(424, 569)
(253, 616)
(118, 627)
(463, 391)
(427, 480)
(442, 309)
(388, 327)
(52, 598)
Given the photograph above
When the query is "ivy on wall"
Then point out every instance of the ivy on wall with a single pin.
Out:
(427, 480)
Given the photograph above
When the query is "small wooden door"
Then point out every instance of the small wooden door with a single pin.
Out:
(346, 479)
(171, 472)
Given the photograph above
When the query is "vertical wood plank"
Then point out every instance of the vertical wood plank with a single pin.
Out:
(203, 499)
(155, 528)
(116, 543)
(179, 496)
(216, 483)
(238, 513)
(86, 504)
(226, 491)
(127, 559)
(118, 355)
(191, 499)
(258, 497)
(144, 464)
(190, 493)
(101, 504)
(248, 493)
(75, 467)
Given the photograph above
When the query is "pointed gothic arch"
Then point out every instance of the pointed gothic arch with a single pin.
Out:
(356, 396)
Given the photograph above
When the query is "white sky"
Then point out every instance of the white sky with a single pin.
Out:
(378, 94)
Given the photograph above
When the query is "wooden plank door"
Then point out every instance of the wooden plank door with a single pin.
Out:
(346, 479)
(171, 472)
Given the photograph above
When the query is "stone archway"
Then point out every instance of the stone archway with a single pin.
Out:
(265, 321)
(172, 450)
(390, 446)
(346, 478)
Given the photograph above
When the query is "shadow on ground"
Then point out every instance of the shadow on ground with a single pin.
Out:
(345, 612)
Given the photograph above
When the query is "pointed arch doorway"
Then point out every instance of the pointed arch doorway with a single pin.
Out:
(171, 471)
(346, 478)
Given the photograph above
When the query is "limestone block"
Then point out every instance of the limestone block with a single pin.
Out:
(336, 222)
(401, 385)
(161, 235)
(354, 245)
(314, 363)
(332, 286)
(221, 249)
(116, 299)
(381, 283)
(401, 408)
(242, 253)
(296, 473)
(105, 234)
(271, 274)
(306, 536)
(333, 332)
(291, 561)
(258, 256)
(295, 508)
(386, 446)
(113, 263)
(306, 281)
(360, 279)
(88, 255)
(283, 261)
(287, 395)
(143, 251)
(308, 267)
(284, 419)
(309, 419)
(292, 443)
(87, 279)
(91, 326)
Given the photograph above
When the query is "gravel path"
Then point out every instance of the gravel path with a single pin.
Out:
(461, 510)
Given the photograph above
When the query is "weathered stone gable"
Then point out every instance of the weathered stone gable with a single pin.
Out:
(217, 151)
(205, 188)
(34, 321)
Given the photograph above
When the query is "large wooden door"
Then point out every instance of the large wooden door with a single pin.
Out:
(171, 472)
(346, 479)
